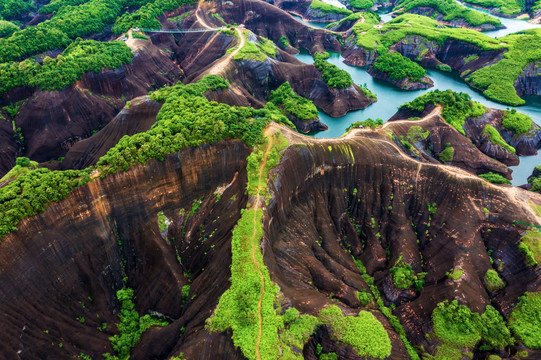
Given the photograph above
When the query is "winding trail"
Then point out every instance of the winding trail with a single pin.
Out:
(257, 205)
(224, 61)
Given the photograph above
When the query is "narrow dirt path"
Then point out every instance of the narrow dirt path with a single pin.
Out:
(257, 205)
(199, 18)
(222, 63)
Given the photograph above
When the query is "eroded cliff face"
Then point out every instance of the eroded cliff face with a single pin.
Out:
(51, 122)
(404, 83)
(529, 80)
(61, 269)
(326, 206)
(331, 201)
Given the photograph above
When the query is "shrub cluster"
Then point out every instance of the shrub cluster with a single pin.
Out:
(131, 326)
(285, 98)
(524, 320)
(451, 10)
(495, 138)
(456, 325)
(328, 8)
(494, 178)
(363, 332)
(399, 67)
(456, 106)
(368, 123)
(517, 122)
(80, 57)
(405, 278)
(331, 74)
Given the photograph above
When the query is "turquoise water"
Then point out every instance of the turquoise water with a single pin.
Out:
(391, 97)
(512, 25)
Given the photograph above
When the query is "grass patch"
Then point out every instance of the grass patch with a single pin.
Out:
(399, 67)
(292, 104)
(517, 122)
(450, 9)
(530, 247)
(447, 154)
(493, 281)
(456, 107)
(364, 332)
(495, 138)
(525, 320)
(495, 178)
(330, 9)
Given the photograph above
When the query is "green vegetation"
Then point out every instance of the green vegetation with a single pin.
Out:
(471, 58)
(517, 122)
(292, 104)
(364, 297)
(530, 247)
(495, 138)
(10, 9)
(493, 281)
(399, 67)
(387, 312)
(32, 191)
(187, 119)
(456, 106)
(325, 356)
(525, 320)
(447, 154)
(331, 74)
(250, 279)
(368, 93)
(506, 7)
(146, 16)
(455, 274)
(361, 4)
(364, 332)
(284, 42)
(397, 29)
(131, 326)
(257, 52)
(162, 221)
(7, 28)
(496, 81)
(405, 278)
(22, 166)
(455, 325)
(327, 8)
(368, 123)
(494, 178)
(450, 9)
(80, 57)
(54, 5)
(535, 181)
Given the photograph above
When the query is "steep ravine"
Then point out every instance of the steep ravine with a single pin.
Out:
(66, 264)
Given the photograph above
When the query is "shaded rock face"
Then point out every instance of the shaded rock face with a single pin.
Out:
(405, 83)
(324, 197)
(54, 275)
(324, 209)
(271, 22)
(53, 121)
(467, 155)
(529, 80)
(139, 117)
(252, 81)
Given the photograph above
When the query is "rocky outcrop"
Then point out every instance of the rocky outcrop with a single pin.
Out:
(108, 230)
(529, 80)
(303, 9)
(138, 117)
(9, 148)
(405, 83)
(467, 155)
(331, 201)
